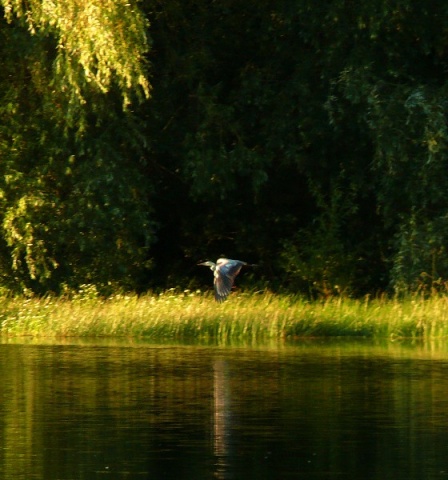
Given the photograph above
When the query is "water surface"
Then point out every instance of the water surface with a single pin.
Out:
(313, 410)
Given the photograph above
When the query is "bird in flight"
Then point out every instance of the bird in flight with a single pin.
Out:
(224, 270)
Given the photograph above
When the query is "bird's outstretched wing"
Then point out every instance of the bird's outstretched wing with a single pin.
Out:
(225, 274)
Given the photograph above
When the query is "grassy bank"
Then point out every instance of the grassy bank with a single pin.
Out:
(192, 315)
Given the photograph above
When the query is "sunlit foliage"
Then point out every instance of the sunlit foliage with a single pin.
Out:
(99, 42)
(73, 199)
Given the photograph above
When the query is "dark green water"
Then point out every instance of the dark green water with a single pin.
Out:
(312, 410)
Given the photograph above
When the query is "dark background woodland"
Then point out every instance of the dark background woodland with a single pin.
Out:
(307, 137)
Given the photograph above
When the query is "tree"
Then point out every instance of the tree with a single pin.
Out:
(393, 87)
(310, 136)
(306, 137)
(74, 201)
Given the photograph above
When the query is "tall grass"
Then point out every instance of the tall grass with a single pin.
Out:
(248, 317)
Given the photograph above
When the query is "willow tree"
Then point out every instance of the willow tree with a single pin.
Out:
(73, 206)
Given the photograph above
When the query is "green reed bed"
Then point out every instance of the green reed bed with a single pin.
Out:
(193, 315)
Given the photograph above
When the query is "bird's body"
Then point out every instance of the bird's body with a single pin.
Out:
(224, 270)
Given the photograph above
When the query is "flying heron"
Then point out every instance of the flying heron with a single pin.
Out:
(224, 270)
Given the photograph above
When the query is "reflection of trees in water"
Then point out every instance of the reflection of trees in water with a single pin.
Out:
(175, 413)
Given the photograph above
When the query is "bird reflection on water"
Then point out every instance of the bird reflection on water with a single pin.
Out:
(222, 418)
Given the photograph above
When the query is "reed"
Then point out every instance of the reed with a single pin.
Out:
(195, 315)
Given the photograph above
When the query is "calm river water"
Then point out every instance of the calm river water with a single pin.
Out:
(312, 410)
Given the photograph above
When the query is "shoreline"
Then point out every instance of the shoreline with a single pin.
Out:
(244, 316)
